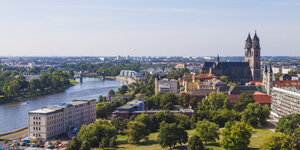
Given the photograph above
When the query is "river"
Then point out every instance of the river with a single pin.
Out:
(14, 115)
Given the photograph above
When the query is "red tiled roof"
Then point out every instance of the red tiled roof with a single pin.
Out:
(233, 98)
(288, 83)
(188, 75)
(206, 76)
(260, 97)
(256, 83)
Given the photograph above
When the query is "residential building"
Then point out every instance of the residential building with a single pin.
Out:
(285, 77)
(285, 101)
(58, 118)
(166, 86)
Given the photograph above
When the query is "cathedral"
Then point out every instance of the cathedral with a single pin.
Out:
(239, 72)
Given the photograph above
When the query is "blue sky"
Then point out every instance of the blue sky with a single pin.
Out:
(147, 27)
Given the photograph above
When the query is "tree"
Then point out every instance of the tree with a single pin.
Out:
(236, 135)
(120, 124)
(171, 134)
(74, 144)
(145, 119)
(296, 138)
(85, 145)
(195, 143)
(244, 100)
(287, 124)
(168, 101)
(111, 92)
(136, 132)
(255, 114)
(278, 141)
(292, 73)
(185, 99)
(224, 79)
(207, 131)
(123, 89)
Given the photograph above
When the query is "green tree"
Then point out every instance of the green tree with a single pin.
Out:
(145, 119)
(278, 141)
(292, 73)
(255, 114)
(123, 89)
(85, 145)
(244, 100)
(185, 100)
(236, 135)
(195, 143)
(171, 134)
(111, 92)
(168, 101)
(296, 138)
(287, 124)
(74, 144)
(224, 79)
(207, 131)
(136, 132)
(120, 124)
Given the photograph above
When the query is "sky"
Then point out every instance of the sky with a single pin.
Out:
(147, 27)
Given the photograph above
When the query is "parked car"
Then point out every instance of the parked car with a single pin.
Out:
(27, 144)
(33, 145)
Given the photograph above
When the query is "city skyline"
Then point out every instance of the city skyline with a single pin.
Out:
(147, 28)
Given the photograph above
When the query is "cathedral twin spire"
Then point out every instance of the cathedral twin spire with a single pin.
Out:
(252, 43)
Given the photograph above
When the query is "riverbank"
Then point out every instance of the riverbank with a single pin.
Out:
(127, 79)
(23, 97)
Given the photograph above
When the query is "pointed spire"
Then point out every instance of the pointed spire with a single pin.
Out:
(248, 43)
(249, 37)
(255, 38)
(266, 68)
(218, 58)
(270, 69)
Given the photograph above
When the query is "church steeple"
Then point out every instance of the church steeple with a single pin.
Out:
(218, 58)
(255, 41)
(248, 44)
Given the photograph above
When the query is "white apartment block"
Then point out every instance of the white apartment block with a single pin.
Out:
(166, 86)
(52, 120)
(285, 101)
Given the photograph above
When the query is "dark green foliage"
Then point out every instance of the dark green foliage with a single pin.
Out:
(120, 124)
(244, 100)
(102, 99)
(287, 124)
(186, 100)
(278, 141)
(74, 144)
(14, 85)
(165, 101)
(195, 143)
(171, 134)
(236, 135)
(136, 131)
(122, 90)
(111, 92)
(256, 115)
(207, 131)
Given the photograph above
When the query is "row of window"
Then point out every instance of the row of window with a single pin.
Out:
(36, 123)
(36, 135)
(37, 128)
(36, 118)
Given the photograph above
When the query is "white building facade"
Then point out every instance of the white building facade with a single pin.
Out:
(58, 118)
(285, 101)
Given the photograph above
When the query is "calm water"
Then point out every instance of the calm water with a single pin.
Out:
(14, 115)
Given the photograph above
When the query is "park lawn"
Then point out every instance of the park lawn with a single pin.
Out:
(257, 139)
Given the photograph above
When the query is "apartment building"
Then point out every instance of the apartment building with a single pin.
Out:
(166, 86)
(57, 118)
(285, 101)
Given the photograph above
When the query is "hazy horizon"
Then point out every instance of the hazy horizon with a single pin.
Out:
(147, 27)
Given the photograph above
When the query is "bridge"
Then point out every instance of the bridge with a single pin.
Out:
(81, 75)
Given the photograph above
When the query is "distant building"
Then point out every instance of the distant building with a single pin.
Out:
(268, 79)
(166, 86)
(285, 77)
(239, 71)
(285, 101)
(128, 73)
(58, 118)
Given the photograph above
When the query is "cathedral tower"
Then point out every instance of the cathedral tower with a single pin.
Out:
(252, 56)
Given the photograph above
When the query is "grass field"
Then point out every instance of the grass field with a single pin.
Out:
(258, 137)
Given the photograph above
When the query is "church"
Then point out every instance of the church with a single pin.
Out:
(239, 72)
